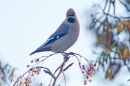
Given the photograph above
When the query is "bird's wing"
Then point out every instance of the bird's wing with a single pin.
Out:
(60, 32)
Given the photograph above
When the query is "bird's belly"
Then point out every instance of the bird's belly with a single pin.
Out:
(63, 43)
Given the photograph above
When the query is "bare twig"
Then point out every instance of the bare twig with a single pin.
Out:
(36, 69)
(105, 6)
(124, 5)
(64, 78)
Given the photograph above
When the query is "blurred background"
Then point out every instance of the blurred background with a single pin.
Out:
(104, 38)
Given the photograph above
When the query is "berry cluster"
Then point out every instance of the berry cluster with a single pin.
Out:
(88, 72)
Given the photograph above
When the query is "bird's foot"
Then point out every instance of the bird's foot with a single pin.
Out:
(66, 55)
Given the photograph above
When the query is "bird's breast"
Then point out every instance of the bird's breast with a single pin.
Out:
(65, 42)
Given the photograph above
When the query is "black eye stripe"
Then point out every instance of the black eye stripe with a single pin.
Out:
(70, 15)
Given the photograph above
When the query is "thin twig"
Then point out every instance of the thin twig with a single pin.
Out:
(124, 5)
(105, 6)
(64, 78)
(109, 6)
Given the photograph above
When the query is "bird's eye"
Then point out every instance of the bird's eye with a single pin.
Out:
(73, 14)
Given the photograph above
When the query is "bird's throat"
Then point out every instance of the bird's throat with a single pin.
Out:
(71, 20)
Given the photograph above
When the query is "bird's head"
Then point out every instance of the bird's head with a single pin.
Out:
(71, 16)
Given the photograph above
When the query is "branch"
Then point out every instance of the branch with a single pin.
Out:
(105, 5)
(116, 16)
(124, 5)
(35, 69)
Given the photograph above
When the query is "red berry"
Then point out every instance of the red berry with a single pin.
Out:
(87, 77)
(83, 67)
(95, 64)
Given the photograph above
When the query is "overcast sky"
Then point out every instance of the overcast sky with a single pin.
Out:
(26, 24)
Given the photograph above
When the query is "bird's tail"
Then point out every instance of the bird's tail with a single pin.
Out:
(41, 50)
(32, 53)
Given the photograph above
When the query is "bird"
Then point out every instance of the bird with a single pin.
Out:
(64, 37)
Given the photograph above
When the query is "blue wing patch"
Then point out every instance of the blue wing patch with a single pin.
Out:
(51, 40)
